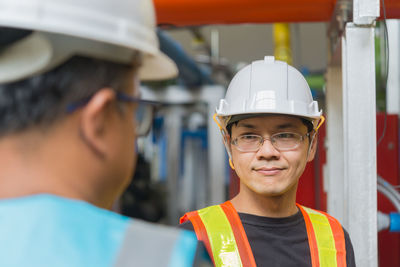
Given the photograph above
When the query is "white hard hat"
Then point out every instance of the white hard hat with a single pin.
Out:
(268, 86)
(110, 30)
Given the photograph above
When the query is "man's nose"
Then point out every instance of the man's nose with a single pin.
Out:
(267, 150)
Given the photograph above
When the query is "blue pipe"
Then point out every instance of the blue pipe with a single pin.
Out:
(394, 222)
(191, 74)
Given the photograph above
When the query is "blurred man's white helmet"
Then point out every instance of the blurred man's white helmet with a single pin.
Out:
(267, 86)
(110, 30)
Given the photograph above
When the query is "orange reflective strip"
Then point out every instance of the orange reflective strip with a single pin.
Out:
(199, 229)
(340, 243)
(311, 238)
(242, 242)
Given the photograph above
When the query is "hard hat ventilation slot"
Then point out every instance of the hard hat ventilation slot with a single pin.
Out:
(265, 100)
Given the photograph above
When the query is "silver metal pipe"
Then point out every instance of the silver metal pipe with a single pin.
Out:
(390, 196)
(389, 187)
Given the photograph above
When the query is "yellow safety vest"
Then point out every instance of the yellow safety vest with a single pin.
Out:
(222, 232)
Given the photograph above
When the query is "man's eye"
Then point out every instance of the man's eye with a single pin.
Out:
(286, 136)
(249, 137)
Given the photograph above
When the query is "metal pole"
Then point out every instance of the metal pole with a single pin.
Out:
(393, 85)
(173, 125)
(217, 162)
(334, 179)
(352, 127)
(359, 131)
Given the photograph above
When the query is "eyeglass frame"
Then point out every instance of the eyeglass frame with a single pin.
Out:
(271, 139)
(120, 96)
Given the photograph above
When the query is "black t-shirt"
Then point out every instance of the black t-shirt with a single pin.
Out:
(280, 242)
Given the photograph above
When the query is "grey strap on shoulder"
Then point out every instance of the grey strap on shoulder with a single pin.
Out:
(147, 244)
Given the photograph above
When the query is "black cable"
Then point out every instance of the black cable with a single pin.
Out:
(386, 36)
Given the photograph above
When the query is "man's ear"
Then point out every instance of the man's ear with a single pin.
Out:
(95, 121)
(313, 147)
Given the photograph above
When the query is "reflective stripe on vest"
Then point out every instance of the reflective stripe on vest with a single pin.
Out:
(325, 238)
(222, 232)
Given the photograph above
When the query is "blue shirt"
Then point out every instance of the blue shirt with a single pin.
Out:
(47, 230)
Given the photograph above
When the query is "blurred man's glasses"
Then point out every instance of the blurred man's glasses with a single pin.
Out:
(281, 141)
(143, 113)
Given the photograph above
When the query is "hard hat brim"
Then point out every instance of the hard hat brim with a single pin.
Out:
(157, 67)
(40, 52)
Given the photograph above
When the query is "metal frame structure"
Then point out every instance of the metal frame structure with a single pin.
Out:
(176, 97)
(351, 129)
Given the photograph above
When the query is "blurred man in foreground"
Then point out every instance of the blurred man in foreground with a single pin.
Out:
(70, 112)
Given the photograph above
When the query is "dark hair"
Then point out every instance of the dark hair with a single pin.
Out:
(307, 123)
(41, 100)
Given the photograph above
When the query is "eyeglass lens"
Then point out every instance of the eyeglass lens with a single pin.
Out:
(143, 118)
(281, 141)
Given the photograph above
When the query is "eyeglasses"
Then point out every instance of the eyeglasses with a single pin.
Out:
(143, 114)
(281, 141)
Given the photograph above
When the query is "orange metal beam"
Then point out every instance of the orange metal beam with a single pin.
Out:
(392, 9)
(200, 12)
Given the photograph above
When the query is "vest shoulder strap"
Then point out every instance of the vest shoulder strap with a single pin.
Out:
(172, 246)
(325, 238)
(220, 228)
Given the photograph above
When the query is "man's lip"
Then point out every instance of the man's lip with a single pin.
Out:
(268, 169)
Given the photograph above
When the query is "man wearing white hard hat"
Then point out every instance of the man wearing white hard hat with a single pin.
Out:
(70, 112)
(269, 122)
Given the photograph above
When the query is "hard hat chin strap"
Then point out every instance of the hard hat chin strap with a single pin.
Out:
(216, 121)
(227, 147)
(226, 142)
(231, 164)
(321, 121)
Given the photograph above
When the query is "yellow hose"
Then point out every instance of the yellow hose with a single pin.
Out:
(282, 50)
